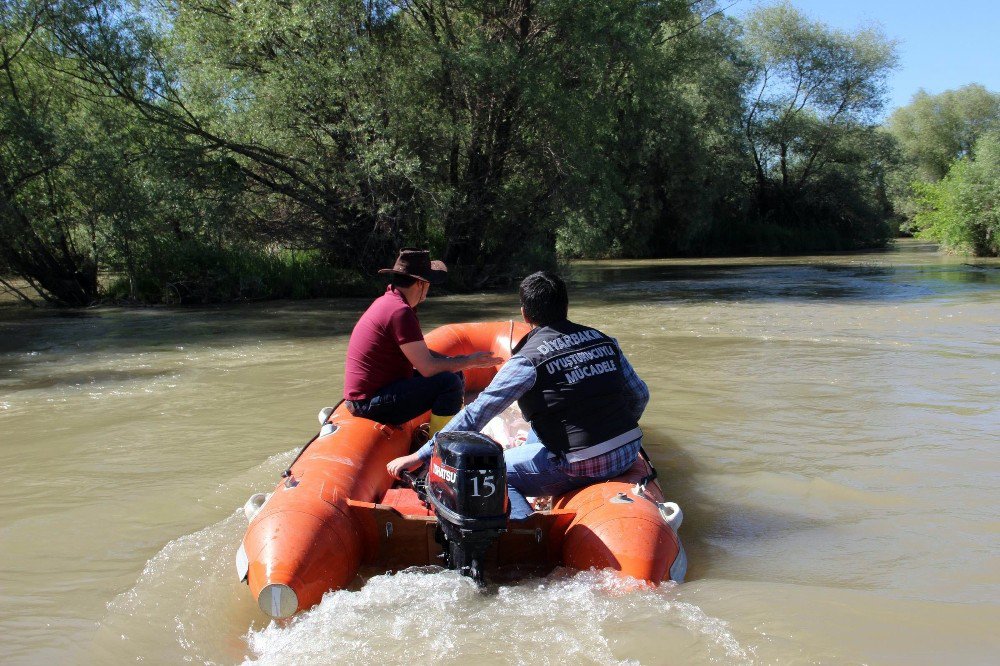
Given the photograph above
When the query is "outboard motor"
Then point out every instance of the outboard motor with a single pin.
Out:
(467, 488)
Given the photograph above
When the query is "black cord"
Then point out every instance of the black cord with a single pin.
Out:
(288, 472)
(652, 470)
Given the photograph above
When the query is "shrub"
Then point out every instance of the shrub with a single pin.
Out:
(194, 273)
(962, 210)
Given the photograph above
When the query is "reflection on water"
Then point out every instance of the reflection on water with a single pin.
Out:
(828, 425)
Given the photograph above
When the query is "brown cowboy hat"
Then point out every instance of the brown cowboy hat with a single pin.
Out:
(417, 263)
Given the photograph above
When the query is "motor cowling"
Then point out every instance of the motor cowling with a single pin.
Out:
(467, 489)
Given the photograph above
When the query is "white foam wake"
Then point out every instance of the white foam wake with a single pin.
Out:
(426, 615)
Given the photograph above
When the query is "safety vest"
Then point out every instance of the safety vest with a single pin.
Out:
(576, 406)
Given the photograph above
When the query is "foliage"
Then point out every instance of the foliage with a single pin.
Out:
(85, 184)
(191, 272)
(198, 150)
(932, 132)
(815, 93)
(43, 148)
(962, 210)
(935, 130)
(666, 138)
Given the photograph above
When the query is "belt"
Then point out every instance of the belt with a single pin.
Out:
(605, 446)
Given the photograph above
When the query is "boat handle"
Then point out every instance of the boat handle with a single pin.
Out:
(671, 514)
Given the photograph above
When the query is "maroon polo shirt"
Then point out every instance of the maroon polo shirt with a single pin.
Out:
(374, 359)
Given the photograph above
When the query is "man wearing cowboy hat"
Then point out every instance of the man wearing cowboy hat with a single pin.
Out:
(387, 345)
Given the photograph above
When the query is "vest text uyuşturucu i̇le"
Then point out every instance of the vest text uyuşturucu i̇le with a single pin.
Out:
(577, 401)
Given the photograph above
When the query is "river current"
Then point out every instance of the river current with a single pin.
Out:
(830, 426)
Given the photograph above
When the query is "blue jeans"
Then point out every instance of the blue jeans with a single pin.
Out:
(535, 471)
(407, 399)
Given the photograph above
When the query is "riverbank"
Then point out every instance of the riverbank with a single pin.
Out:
(302, 280)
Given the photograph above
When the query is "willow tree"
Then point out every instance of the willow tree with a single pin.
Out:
(86, 183)
(46, 237)
(285, 98)
(546, 105)
(935, 130)
(361, 126)
(813, 103)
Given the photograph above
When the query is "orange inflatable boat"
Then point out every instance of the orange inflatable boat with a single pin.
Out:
(337, 512)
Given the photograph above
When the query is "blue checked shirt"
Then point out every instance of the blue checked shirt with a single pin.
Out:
(514, 379)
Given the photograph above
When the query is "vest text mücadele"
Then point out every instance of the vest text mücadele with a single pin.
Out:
(578, 397)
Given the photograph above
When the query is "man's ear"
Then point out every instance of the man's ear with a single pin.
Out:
(524, 316)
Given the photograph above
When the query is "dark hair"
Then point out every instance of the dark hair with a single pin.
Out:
(544, 299)
(402, 281)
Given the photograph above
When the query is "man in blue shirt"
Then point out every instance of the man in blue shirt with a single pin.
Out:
(576, 388)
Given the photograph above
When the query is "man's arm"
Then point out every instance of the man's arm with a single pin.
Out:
(636, 391)
(429, 363)
(515, 378)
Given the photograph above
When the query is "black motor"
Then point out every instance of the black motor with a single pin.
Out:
(467, 488)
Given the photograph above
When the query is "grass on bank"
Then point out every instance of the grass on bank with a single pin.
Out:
(193, 274)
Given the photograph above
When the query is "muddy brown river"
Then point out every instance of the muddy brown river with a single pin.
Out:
(830, 426)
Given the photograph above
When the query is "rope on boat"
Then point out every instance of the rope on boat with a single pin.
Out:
(288, 472)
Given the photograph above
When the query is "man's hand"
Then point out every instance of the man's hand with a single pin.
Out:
(482, 360)
(404, 464)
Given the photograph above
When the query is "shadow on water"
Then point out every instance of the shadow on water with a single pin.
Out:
(707, 520)
(788, 282)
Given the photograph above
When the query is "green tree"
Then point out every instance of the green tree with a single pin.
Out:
(195, 150)
(935, 130)
(86, 185)
(814, 95)
(541, 100)
(277, 94)
(44, 235)
(962, 210)
(667, 160)
(361, 126)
